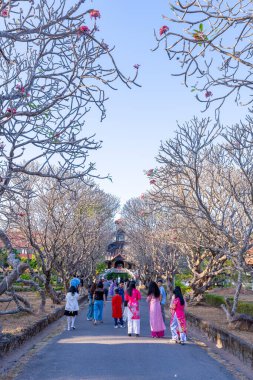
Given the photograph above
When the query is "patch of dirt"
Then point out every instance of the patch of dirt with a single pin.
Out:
(14, 324)
(217, 317)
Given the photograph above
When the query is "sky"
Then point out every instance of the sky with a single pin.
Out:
(139, 119)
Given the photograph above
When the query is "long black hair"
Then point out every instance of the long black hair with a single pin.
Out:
(178, 294)
(153, 289)
(100, 285)
(130, 288)
(72, 290)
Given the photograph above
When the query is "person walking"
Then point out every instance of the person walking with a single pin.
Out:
(162, 298)
(106, 284)
(122, 291)
(112, 287)
(132, 297)
(90, 312)
(71, 307)
(178, 320)
(157, 325)
(99, 299)
(117, 309)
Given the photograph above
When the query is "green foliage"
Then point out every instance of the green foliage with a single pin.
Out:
(32, 262)
(3, 258)
(25, 276)
(216, 301)
(245, 308)
(184, 288)
(115, 276)
(22, 288)
(58, 288)
(101, 267)
(183, 277)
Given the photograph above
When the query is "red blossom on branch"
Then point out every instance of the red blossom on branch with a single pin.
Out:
(152, 181)
(84, 29)
(11, 110)
(150, 172)
(95, 14)
(20, 88)
(164, 29)
(136, 66)
(208, 94)
(5, 13)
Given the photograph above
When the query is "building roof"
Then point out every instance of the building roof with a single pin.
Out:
(18, 240)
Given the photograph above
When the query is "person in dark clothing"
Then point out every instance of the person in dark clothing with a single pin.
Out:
(121, 291)
(99, 302)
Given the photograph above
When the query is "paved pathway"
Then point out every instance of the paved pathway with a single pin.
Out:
(104, 353)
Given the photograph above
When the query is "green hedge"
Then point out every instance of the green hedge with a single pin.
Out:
(245, 308)
(115, 276)
(216, 300)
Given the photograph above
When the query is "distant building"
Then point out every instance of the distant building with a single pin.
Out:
(117, 260)
(116, 256)
(19, 242)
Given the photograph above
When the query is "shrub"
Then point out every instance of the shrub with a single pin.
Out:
(115, 276)
(245, 308)
(22, 288)
(25, 276)
(184, 288)
(216, 300)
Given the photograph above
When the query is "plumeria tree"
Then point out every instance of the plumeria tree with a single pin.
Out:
(205, 178)
(92, 223)
(211, 41)
(151, 239)
(67, 228)
(53, 68)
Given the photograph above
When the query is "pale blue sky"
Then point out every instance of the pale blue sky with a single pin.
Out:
(138, 119)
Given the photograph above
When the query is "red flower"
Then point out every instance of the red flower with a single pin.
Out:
(5, 13)
(150, 172)
(163, 30)
(20, 88)
(11, 110)
(208, 94)
(152, 182)
(21, 214)
(84, 29)
(95, 14)
(136, 66)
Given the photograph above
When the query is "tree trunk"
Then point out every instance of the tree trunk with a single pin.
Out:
(7, 282)
(18, 268)
(237, 293)
(50, 290)
(170, 282)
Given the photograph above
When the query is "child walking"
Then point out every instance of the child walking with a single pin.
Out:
(72, 307)
(117, 309)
